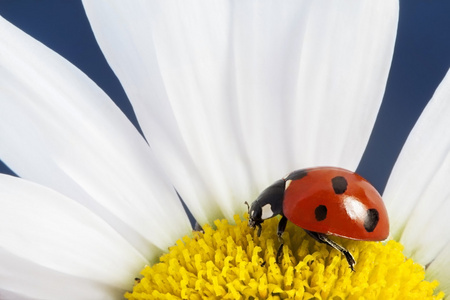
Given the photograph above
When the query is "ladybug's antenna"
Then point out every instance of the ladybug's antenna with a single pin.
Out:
(248, 206)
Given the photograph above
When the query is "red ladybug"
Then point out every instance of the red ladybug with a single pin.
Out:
(324, 201)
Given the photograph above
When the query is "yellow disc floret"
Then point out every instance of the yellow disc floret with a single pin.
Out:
(232, 262)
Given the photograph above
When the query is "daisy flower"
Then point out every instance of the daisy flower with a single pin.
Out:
(230, 96)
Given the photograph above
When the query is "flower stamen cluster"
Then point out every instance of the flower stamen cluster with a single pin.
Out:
(232, 262)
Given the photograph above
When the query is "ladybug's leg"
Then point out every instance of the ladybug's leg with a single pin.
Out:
(320, 237)
(281, 227)
(259, 229)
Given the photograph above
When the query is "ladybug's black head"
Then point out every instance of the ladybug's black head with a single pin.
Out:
(254, 216)
(268, 204)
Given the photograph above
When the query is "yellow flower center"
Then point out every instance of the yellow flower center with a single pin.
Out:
(232, 262)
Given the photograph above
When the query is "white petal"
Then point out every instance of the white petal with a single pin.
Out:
(417, 194)
(50, 242)
(13, 296)
(24, 279)
(439, 269)
(232, 95)
(59, 129)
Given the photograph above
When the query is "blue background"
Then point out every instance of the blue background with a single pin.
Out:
(421, 59)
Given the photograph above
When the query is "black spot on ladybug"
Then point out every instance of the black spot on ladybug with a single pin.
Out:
(296, 175)
(371, 219)
(339, 184)
(321, 212)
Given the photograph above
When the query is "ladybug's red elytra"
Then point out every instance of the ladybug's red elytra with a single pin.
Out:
(324, 201)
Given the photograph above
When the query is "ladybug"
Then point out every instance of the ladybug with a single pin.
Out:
(324, 201)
